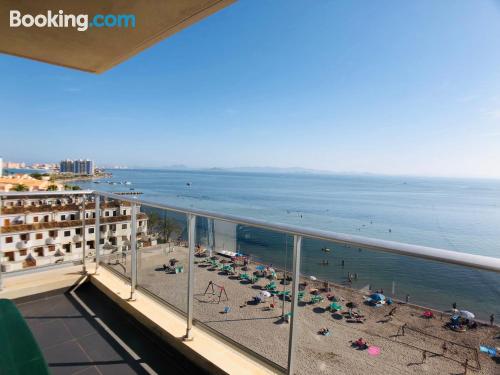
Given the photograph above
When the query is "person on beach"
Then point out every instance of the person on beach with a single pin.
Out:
(403, 329)
(466, 366)
(444, 347)
(381, 291)
(454, 305)
(492, 319)
(407, 298)
(343, 263)
(424, 356)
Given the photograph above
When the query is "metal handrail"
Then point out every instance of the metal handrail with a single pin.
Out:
(386, 246)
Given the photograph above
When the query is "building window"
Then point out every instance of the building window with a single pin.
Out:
(91, 230)
(6, 222)
(35, 219)
(25, 237)
(101, 241)
(39, 236)
(67, 248)
(46, 218)
(78, 245)
(23, 252)
(124, 226)
(124, 212)
(78, 231)
(53, 233)
(39, 251)
(8, 240)
(67, 233)
(115, 213)
(10, 256)
(73, 217)
(106, 213)
(63, 217)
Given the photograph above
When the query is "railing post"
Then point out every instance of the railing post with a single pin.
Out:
(292, 339)
(191, 218)
(84, 238)
(97, 230)
(133, 247)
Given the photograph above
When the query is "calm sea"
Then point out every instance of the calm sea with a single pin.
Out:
(454, 214)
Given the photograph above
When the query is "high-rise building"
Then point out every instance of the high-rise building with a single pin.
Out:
(77, 166)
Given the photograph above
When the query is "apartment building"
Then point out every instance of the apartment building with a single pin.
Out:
(85, 167)
(38, 230)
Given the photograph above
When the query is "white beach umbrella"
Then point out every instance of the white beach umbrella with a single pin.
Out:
(313, 278)
(467, 314)
(265, 294)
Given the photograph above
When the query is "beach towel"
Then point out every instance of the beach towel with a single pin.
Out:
(492, 352)
(374, 351)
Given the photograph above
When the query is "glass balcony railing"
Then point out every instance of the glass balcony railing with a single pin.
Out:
(301, 300)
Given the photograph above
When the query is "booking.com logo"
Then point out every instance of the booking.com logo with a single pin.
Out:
(80, 21)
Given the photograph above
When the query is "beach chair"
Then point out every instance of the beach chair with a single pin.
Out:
(179, 269)
(300, 296)
(244, 276)
(335, 307)
(271, 286)
(316, 299)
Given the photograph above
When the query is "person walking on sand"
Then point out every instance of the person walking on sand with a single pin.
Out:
(492, 319)
(454, 305)
(444, 347)
(407, 298)
(424, 356)
(466, 366)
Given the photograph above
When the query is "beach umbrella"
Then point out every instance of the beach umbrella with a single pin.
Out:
(260, 268)
(377, 297)
(467, 314)
(313, 278)
(265, 294)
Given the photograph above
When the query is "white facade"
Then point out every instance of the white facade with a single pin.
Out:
(39, 231)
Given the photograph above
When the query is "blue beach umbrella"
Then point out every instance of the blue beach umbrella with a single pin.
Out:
(376, 297)
(260, 268)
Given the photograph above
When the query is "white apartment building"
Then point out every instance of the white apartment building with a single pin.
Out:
(40, 230)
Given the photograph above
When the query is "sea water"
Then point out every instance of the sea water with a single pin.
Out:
(454, 214)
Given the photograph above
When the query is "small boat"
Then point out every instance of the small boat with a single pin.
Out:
(188, 183)
(128, 183)
(325, 249)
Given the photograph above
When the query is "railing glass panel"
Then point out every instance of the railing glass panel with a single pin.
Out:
(42, 231)
(401, 306)
(115, 235)
(242, 285)
(163, 255)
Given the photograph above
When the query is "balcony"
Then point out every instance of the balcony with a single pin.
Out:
(259, 297)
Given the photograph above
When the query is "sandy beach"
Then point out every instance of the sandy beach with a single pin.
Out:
(262, 329)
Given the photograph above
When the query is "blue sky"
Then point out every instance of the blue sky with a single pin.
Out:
(392, 87)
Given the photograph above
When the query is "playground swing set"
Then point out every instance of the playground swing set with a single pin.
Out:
(216, 290)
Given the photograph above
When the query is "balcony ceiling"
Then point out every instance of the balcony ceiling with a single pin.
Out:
(98, 49)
